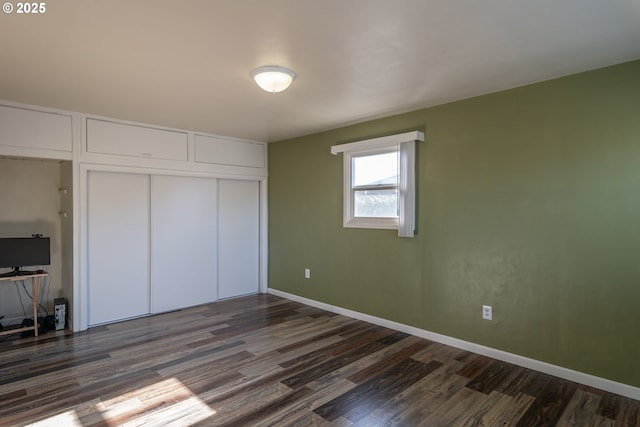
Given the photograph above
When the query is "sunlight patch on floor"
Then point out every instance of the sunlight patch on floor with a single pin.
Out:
(66, 419)
(186, 412)
(165, 402)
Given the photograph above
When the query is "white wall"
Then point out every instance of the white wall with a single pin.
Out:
(29, 204)
(66, 238)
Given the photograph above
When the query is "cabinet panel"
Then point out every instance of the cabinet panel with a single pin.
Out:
(239, 237)
(35, 129)
(128, 140)
(229, 152)
(118, 246)
(184, 242)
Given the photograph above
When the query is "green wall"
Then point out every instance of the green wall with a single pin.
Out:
(528, 200)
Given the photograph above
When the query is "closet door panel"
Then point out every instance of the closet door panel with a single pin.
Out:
(118, 246)
(184, 245)
(239, 238)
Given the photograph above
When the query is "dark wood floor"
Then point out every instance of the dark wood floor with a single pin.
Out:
(262, 360)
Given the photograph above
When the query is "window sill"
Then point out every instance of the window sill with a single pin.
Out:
(379, 223)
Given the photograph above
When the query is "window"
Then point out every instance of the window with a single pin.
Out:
(379, 182)
(373, 197)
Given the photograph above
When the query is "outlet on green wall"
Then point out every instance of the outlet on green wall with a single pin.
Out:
(528, 201)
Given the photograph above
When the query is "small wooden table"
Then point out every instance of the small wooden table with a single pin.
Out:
(36, 289)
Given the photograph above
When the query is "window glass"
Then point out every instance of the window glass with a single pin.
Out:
(375, 185)
(377, 169)
(376, 203)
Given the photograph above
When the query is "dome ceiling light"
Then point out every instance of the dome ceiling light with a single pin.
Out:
(273, 79)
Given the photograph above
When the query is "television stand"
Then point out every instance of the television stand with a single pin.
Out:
(36, 289)
(18, 273)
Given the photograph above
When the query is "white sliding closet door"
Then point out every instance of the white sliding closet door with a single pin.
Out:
(239, 237)
(118, 246)
(183, 242)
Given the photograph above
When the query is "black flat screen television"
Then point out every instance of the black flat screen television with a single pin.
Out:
(19, 252)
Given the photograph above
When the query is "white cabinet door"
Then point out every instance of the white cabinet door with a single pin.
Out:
(216, 150)
(36, 130)
(238, 237)
(118, 246)
(184, 242)
(105, 137)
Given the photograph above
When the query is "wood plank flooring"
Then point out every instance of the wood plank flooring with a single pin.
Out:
(262, 361)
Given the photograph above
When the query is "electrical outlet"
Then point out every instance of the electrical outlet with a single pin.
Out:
(307, 273)
(487, 312)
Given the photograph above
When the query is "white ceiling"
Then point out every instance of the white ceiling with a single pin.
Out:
(186, 63)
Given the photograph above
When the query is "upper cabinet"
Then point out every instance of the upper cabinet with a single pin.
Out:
(30, 133)
(139, 145)
(37, 132)
(105, 137)
(230, 152)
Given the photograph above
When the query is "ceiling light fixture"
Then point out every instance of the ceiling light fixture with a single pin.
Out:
(273, 79)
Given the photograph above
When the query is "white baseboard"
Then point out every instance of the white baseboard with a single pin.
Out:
(547, 368)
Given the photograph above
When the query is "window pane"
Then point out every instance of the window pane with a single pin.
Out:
(378, 169)
(375, 203)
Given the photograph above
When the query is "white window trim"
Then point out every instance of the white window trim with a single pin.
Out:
(405, 145)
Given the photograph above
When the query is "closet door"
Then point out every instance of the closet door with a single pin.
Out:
(183, 242)
(118, 246)
(239, 238)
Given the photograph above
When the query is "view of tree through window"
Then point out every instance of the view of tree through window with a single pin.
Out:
(375, 185)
